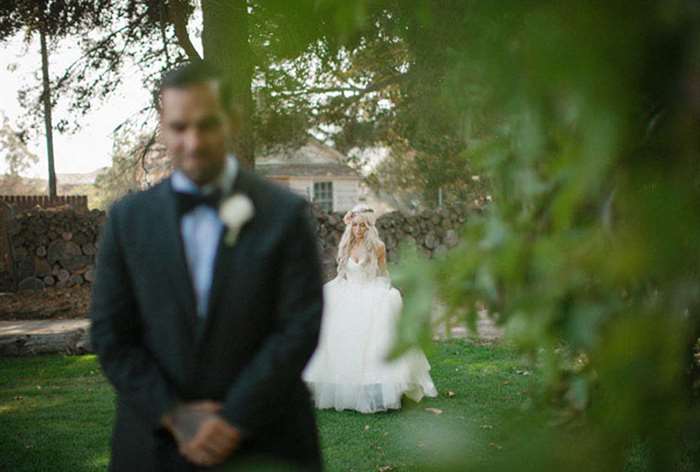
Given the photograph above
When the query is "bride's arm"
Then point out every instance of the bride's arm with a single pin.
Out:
(381, 257)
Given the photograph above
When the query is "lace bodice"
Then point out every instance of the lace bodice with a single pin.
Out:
(356, 271)
(361, 272)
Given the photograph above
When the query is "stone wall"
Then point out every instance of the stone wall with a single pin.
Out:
(6, 261)
(54, 248)
(433, 232)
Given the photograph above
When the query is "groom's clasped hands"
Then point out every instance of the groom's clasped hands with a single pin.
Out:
(203, 437)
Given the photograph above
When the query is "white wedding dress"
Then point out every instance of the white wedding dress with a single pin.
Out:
(348, 369)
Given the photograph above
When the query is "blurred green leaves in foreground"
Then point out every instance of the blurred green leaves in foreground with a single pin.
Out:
(589, 253)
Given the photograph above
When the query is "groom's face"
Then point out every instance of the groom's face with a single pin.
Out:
(194, 130)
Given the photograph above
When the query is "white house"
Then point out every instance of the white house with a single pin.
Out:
(316, 171)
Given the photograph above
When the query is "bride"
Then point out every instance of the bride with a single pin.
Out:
(348, 369)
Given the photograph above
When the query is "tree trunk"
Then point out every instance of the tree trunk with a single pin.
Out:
(225, 43)
(178, 15)
(46, 97)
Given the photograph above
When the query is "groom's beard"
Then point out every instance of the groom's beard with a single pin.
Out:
(201, 169)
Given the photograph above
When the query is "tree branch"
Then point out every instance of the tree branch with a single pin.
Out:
(97, 46)
(359, 91)
(178, 17)
(356, 90)
(317, 90)
(164, 37)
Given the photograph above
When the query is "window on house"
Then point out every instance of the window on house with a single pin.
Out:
(323, 195)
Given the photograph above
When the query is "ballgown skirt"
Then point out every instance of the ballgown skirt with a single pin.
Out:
(348, 369)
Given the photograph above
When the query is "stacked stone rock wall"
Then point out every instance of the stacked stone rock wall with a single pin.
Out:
(6, 263)
(55, 248)
(433, 232)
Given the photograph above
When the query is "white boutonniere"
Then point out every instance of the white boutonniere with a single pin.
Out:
(235, 211)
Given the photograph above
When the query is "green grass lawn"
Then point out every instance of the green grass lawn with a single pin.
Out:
(56, 414)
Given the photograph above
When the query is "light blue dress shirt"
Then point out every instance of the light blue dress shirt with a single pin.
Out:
(201, 230)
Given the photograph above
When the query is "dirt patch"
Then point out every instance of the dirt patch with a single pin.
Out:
(47, 304)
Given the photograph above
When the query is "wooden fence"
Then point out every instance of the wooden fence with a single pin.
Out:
(27, 202)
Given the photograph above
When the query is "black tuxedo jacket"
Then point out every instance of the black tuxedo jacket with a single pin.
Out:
(262, 327)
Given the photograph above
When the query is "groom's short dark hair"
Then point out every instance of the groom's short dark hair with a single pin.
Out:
(196, 72)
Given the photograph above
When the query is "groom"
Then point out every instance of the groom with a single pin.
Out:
(203, 325)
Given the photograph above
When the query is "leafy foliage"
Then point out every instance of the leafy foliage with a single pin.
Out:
(385, 86)
(589, 252)
(15, 153)
(17, 159)
(126, 174)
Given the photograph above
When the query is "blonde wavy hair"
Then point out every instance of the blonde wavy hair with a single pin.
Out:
(372, 242)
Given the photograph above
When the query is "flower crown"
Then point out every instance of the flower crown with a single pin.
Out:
(358, 210)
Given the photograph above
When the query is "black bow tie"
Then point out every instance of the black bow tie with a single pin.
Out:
(187, 202)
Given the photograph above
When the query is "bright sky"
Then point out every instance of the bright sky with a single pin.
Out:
(86, 150)
(90, 148)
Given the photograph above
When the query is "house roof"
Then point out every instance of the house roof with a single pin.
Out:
(305, 170)
(313, 159)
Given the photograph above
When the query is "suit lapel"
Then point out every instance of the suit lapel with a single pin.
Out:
(174, 260)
